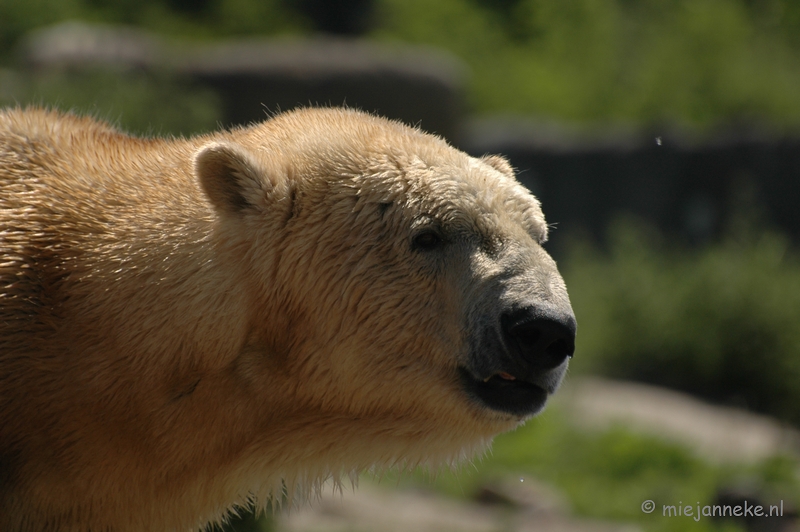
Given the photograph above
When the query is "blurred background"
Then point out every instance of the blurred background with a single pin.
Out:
(663, 138)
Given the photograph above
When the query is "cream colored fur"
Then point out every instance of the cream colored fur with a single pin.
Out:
(187, 324)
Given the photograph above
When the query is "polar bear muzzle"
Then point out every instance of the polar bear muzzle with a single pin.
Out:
(521, 360)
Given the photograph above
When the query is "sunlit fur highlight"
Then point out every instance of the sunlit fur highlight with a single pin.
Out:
(166, 353)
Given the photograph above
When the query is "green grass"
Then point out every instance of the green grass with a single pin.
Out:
(604, 475)
(609, 474)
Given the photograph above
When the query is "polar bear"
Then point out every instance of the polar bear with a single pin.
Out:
(191, 324)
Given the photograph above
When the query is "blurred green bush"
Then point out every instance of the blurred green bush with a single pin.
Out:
(699, 63)
(720, 322)
(137, 102)
(694, 62)
(607, 474)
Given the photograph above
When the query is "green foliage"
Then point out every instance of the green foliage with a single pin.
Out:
(609, 474)
(696, 62)
(139, 103)
(604, 475)
(17, 17)
(179, 18)
(720, 322)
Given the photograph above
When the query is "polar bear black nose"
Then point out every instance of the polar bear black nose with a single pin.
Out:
(542, 338)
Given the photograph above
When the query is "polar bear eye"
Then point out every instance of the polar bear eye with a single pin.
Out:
(427, 240)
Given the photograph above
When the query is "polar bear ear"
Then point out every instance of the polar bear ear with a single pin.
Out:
(499, 163)
(231, 179)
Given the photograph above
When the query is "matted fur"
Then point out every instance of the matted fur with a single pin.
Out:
(188, 324)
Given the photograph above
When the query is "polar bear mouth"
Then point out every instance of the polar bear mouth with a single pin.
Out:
(506, 393)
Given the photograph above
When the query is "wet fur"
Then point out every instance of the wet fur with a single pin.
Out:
(187, 324)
